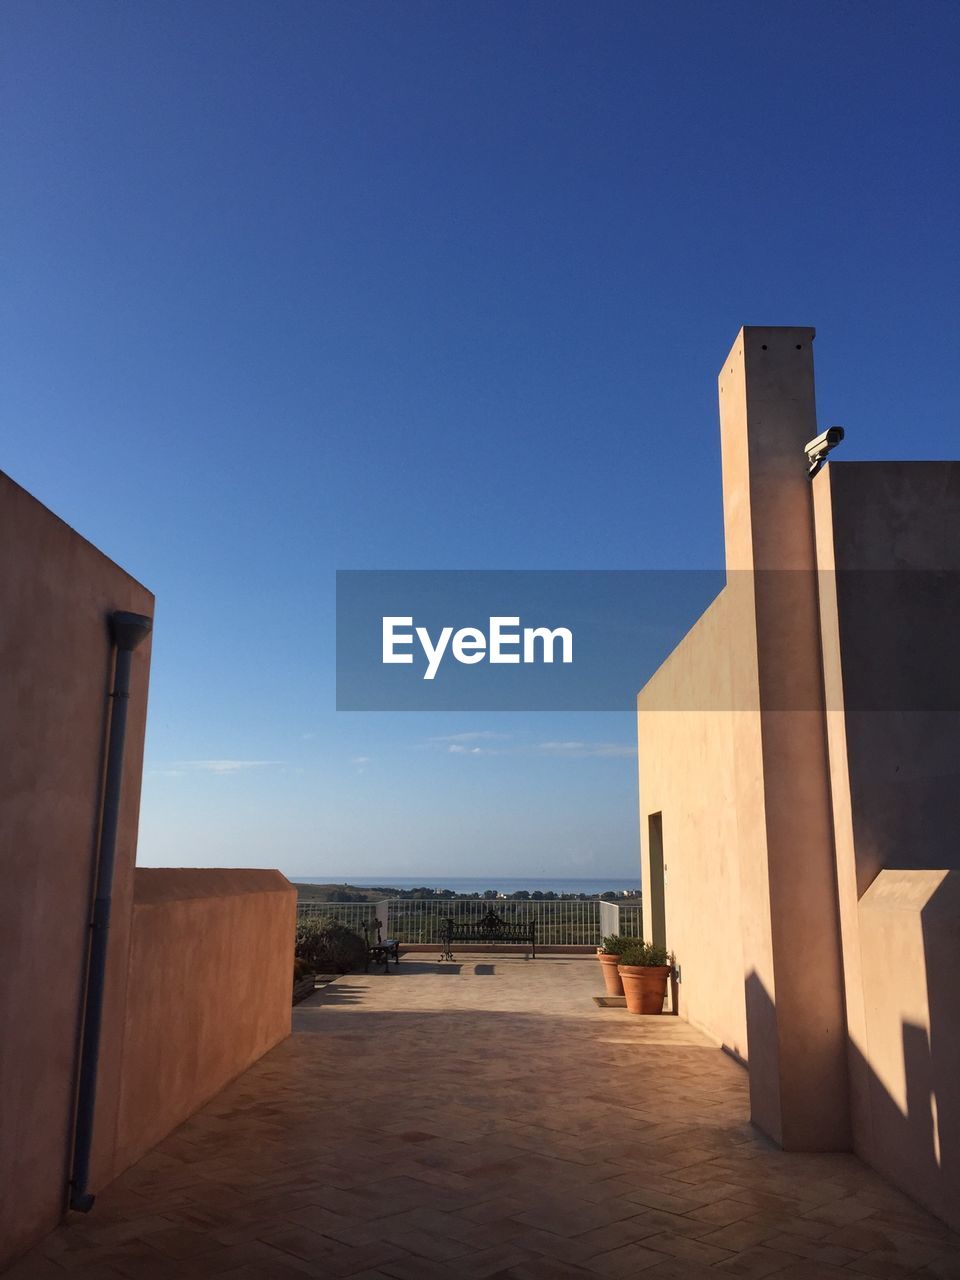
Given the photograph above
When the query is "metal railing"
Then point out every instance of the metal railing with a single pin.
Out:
(569, 923)
(560, 922)
(353, 914)
(631, 919)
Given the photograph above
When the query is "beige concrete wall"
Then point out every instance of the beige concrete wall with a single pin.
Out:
(752, 821)
(804, 736)
(208, 993)
(888, 549)
(685, 735)
(910, 958)
(56, 593)
(795, 1016)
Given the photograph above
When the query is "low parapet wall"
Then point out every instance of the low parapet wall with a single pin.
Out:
(905, 1070)
(208, 993)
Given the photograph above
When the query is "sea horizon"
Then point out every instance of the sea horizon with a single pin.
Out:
(591, 885)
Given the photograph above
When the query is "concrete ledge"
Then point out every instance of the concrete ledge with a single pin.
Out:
(304, 987)
(178, 884)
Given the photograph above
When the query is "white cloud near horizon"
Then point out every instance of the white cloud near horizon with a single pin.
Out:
(476, 736)
(555, 750)
(216, 766)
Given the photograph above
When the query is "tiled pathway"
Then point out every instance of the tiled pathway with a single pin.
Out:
(488, 1120)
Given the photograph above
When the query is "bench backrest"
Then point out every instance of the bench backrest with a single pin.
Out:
(491, 925)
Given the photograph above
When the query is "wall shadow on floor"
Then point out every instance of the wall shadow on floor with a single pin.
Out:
(410, 968)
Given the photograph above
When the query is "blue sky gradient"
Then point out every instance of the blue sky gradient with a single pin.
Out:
(296, 287)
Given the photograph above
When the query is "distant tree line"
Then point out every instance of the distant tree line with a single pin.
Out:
(351, 894)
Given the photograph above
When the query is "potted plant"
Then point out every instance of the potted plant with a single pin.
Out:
(608, 953)
(644, 970)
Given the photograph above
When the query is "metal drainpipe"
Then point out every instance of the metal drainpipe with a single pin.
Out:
(127, 631)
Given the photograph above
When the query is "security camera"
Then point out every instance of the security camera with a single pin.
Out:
(818, 448)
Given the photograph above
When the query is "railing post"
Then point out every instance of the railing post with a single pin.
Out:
(609, 918)
(383, 915)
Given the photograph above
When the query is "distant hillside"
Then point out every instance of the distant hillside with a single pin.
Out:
(343, 893)
(354, 893)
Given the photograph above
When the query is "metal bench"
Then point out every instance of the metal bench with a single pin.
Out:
(489, 928)
(381, 950)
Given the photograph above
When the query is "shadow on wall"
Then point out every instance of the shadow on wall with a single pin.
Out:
(914, 1138)
(940, 919)
(905, 1080)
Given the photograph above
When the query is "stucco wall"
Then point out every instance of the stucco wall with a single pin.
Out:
(208, 993)
(56, 593)
(893, 562)
(686, 766)
(910, 948)
(740, 773)
(795, 1015)
(888, 551)
(805, 736)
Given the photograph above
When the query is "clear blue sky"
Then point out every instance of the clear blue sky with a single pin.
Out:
(291, 287)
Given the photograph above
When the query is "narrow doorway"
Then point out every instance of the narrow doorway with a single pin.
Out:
(658, 908)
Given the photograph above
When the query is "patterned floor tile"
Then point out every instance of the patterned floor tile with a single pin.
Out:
(496, 1125)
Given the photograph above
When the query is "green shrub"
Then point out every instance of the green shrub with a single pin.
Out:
(644, 954)
(616, 943)
(327, 946)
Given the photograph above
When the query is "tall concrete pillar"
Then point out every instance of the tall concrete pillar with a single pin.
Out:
(792, 957)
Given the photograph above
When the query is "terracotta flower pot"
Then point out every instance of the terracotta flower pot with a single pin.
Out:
(645, 986)
(611, 975)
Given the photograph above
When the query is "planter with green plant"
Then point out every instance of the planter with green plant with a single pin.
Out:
(608, 953)
(644, 970)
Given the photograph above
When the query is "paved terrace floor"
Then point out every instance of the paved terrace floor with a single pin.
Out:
(486, 1119)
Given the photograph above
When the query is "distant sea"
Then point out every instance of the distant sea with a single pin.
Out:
(478, 884)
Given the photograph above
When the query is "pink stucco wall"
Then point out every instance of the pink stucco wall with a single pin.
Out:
(199, 970)
(208, 993)
(56, 593)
